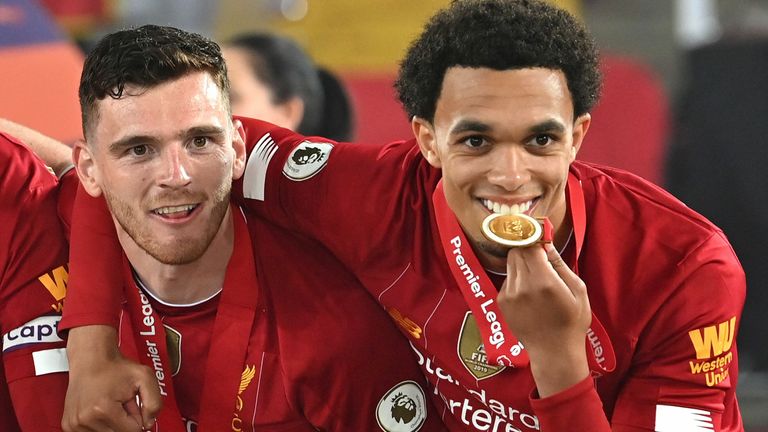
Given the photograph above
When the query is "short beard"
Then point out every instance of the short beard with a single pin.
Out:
(492, 248)
(181, 251)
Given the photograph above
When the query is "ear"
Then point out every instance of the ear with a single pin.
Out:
(238, 144)
(86, 168)
(580, 127)
(425, 136)
(293, 111)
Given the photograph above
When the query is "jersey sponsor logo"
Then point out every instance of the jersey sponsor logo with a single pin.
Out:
(40, 330)
(306, 160)
(405, 323)
(674, 418)
(245, 380)
(472, 351)
(713, 351)
(55, 282)
(476, 409)
(402, 409)
(255, 177)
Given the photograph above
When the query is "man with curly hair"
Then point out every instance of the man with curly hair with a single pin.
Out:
(538, 292)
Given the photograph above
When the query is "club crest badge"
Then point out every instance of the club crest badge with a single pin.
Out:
(173, 342)
(472, 352)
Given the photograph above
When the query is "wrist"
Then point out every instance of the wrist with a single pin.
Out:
(557, 370)
(88, 346)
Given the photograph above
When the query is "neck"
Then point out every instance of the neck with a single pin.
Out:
(184, 283)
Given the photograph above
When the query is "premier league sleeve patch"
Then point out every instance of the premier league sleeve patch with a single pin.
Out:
(306, 160)
(402, 409)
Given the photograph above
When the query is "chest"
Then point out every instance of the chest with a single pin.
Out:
(258, 400)
(425, 302)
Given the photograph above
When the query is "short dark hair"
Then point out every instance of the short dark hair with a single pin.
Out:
(145, 57)
(501, 35)
(287, 71)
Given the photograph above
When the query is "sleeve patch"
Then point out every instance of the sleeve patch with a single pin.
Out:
(677, 419)
(50, 361)
(402, 409)
(40, 330)
(254, 180)
(306, 160)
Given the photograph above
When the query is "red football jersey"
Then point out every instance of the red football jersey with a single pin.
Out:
(33, 284)
(317, 359)
(663, 281)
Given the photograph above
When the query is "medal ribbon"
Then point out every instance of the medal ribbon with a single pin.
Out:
(235, 317)
(501, 346)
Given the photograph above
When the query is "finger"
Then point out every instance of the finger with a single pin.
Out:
(149, 396)
(572, 281)
(133, 411)
(98, 420)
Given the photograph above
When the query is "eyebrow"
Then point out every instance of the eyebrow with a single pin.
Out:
(469, 125)
(134, 140)
(548, 126)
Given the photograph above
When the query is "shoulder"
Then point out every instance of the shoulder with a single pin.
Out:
(24, 171)
(623, 204)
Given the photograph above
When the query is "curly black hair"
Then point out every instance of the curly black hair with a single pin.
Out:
(144, 57)
(501, 35)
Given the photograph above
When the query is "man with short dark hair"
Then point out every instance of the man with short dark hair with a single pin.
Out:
(539, 292)
(219, 305)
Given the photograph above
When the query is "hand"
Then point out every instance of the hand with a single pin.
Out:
(103, 385)
(546, 306)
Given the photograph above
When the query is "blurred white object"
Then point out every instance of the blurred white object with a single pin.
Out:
(696, 22)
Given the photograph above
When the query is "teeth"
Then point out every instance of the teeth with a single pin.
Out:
(507, 209)
(174, 209)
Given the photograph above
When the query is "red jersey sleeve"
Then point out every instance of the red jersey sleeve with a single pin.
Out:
(33, 285)
(95, 254)
(355, 193)
(687, 365)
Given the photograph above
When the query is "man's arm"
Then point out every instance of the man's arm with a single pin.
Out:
(103, 385)
(687, 364)
(546, 306)
(56, 154)
(685, 367)
(33, 279)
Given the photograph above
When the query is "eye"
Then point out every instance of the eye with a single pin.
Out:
(474, 141)
(542, 140)
(199, 142)
(138, 150)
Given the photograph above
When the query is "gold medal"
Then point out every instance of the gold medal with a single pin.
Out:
(513, 230)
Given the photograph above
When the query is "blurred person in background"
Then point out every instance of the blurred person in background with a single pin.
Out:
(274, 80)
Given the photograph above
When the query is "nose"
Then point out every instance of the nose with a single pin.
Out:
(509, 167)
(175, 170)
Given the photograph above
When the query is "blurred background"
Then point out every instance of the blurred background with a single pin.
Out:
(685, 102)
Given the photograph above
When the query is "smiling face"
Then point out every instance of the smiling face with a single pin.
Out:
(504, 141)
(165, 158)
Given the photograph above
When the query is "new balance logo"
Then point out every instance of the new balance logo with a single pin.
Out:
(713, 340)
